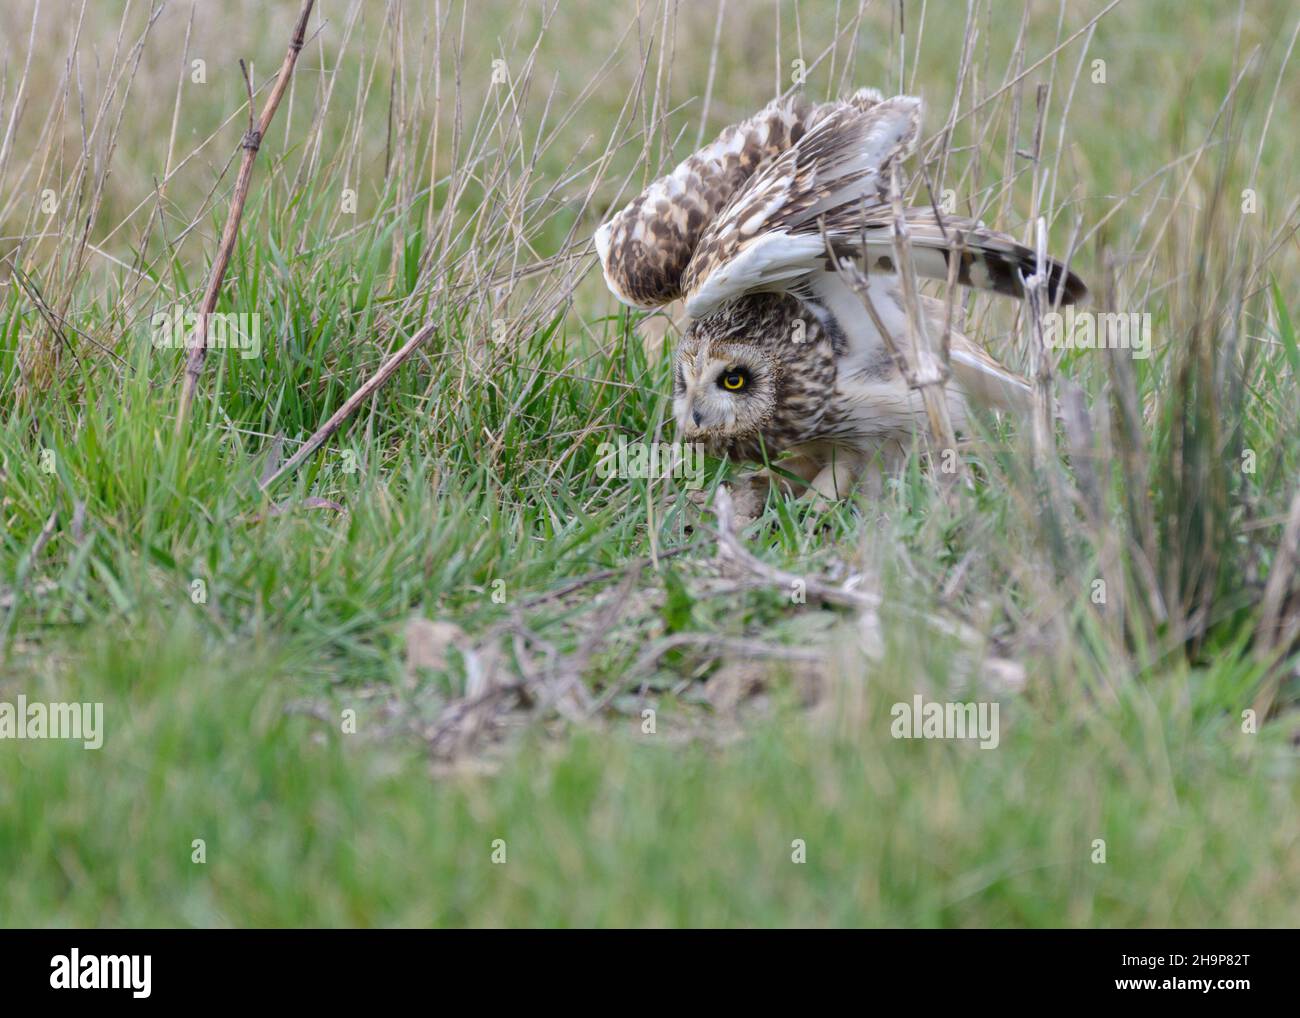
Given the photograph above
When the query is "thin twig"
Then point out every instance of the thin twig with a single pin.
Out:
(250, 144)
(367, 390)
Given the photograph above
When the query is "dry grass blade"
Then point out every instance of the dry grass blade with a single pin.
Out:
(1040, 359)
(1277, 634)
(923, 370)
(928, 372)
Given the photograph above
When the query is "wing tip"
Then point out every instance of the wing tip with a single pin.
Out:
(603, 238)
(1064, 285)
(1007, 272)
(602, 241)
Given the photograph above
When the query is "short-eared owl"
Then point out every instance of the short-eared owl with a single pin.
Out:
(780, 354)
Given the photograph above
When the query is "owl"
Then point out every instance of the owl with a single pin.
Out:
(781, 357)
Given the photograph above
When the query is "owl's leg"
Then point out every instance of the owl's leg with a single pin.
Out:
(838, 476)
(884, 461)
(803, 468)
(791, 475)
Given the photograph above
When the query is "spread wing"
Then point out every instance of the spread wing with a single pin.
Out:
(746, 214)
(769, 234)
(645, 249)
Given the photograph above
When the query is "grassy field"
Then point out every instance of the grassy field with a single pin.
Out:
(408, 683)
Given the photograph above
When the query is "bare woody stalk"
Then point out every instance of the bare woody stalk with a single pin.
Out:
(230, 234)
(349, 407)
(1278, 631)
(1040, 360)
(917, 363)
(1041, 368)
(929, 370)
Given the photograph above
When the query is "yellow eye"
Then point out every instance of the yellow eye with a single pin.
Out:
(734, 380)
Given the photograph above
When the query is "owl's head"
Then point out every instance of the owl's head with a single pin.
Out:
(725, 388)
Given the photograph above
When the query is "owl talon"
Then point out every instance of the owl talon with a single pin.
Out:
(837, 478)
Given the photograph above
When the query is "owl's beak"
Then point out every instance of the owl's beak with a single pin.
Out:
(688, 421)
(682, 417)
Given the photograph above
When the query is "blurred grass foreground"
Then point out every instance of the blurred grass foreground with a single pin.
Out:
(448, 671)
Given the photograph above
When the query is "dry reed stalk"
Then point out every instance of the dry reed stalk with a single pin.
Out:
(924, 369)
(349, 407)
(929, 370)
(1040, 360)
(251, 143)
(1276, 634)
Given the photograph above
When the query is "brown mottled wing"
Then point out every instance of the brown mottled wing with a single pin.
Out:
(645, 249)
(769, 235)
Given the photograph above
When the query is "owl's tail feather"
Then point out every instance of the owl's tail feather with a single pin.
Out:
(989, 260)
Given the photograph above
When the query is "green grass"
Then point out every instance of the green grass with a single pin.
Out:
(306, 825)
(473, 474)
